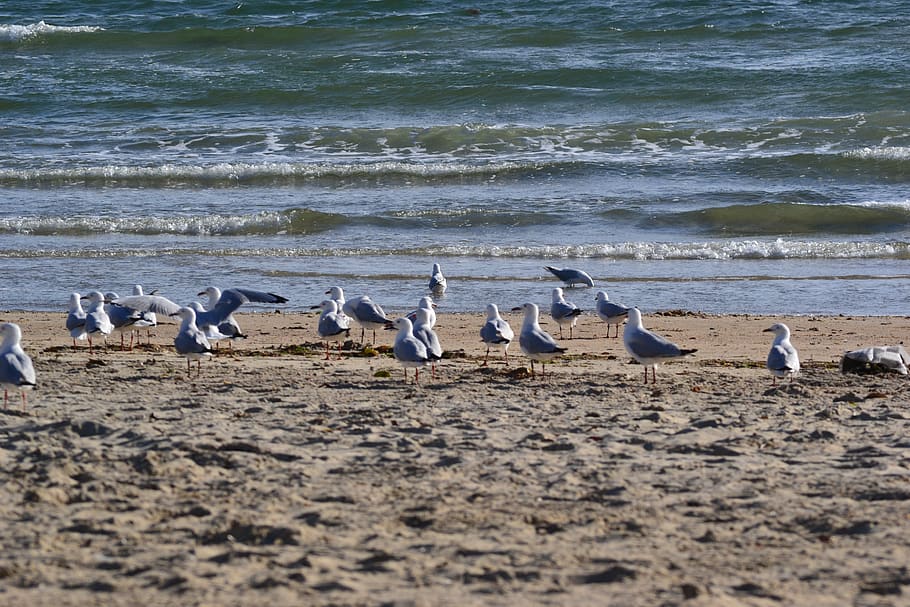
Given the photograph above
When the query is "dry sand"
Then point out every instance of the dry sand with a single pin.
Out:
(279, 478)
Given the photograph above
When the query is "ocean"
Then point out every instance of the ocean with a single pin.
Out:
(721, 157)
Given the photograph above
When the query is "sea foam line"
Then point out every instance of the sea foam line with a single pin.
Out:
(19, 33)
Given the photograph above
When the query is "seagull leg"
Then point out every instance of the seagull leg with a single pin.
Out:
(505, 354)
(24, 400)
(326, 350)
(5, 398)
(486, 357)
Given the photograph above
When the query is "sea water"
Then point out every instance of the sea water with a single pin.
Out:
(711, 156)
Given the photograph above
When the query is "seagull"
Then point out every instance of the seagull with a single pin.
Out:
(367, 314)
(228, 301)
(220, 311)
(426, 302)
(148, 319)
(571, 276)
(496, 333)
(408, 350)
(16, 370)
(96, 319)
(122, 318)
(337, 294)
(210, 330)
(424, 332)
(75, 320)
(609, 312)
(783, 359)
(332, 327)
(563, 312)
(191, 342)
(437, 280)
(534, 342)
(648, 348)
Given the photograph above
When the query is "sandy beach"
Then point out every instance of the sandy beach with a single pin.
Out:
(276, 477)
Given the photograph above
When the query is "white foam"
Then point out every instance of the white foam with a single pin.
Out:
(18, 33)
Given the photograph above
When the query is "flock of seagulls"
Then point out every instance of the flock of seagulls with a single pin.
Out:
(416, 343)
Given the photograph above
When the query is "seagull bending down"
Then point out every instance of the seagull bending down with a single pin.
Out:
(783, 360)
(535, 343)
(16, 370)
(571, 276)
(649, 348)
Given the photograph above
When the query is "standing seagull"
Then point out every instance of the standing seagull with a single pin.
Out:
(332, 327)
(367, 314)
(535, 343)
(496, 333)
(96, 319)
(408, 350)
(648, 348)
(563, 312)
(16, 370)
(571, 276)
(148, 320)
(190, 341)
(783, 359)
(75, 320)
(437, 281)
(423, 331)
(123, 319)
(609, 312)
(426, 302)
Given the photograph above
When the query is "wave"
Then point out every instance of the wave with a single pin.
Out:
(269, 173)
(776, 249)
(790, 218)
(41, 30)
(292, 221)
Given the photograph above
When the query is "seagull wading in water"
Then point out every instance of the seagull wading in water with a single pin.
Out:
(571, 276)
(647, 347)
(408, 350)
(496, 333)
(535, 343)
(16, 370)
(437, 284)
(783, 360)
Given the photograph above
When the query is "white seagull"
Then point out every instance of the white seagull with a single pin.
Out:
(97, 322)
(426, 302)
(333, 326)
(148, 319)
(367, 314)
(75, 320)
(496, 333)
(571, 276)
(563, 312)
(423, 331)
(16, 370)
(337, 294)
(647, 347)
(535, 343)
(408, 350)
(190, 341)
(220, 311)
(437, 282)
(783, 360)
(611, 313)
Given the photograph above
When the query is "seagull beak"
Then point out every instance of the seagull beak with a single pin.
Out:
(200, 293)
(314, 307)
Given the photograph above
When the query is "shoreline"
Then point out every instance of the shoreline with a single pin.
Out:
(280, 477)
